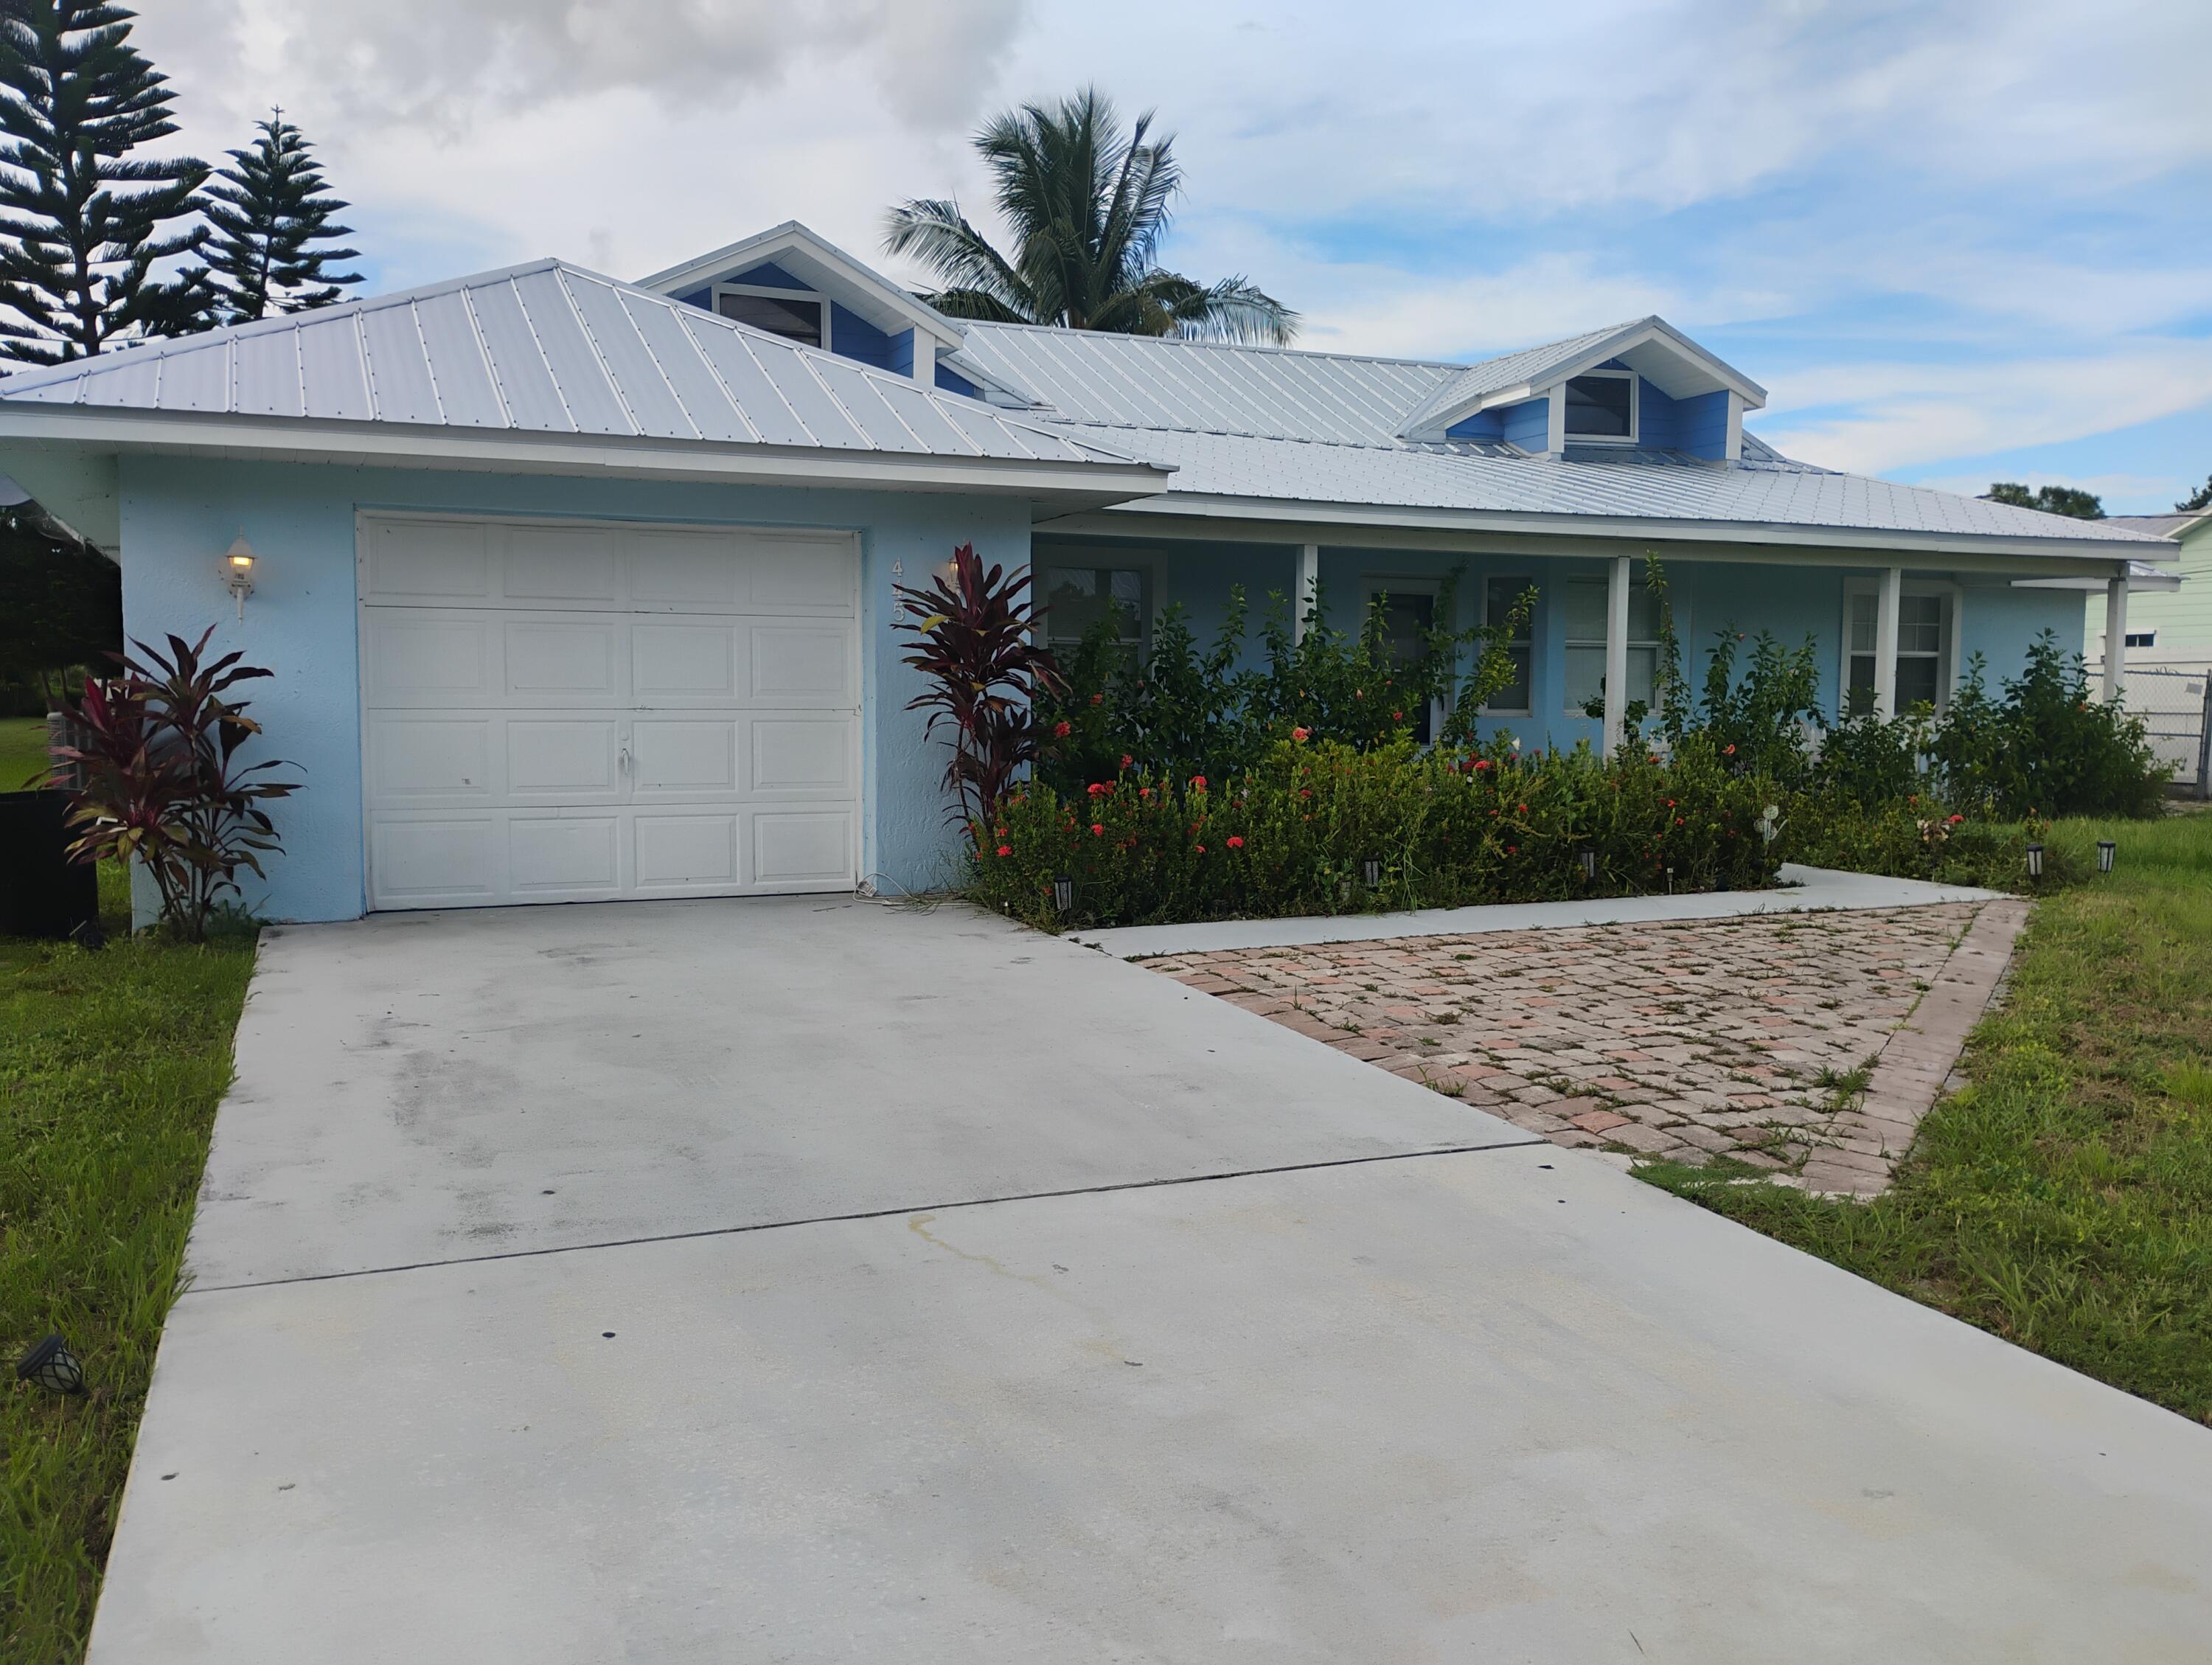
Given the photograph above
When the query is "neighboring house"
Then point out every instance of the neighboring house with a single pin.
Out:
(2172, 624)
(577, 589)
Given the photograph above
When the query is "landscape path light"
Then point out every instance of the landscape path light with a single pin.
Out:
(2035, 861)
(2107, 849)
(51, 1364)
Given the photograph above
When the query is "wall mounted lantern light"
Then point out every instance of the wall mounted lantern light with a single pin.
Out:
(237, 564)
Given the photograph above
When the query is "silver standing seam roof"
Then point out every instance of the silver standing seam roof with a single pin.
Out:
(548, 347)
(1284, 426)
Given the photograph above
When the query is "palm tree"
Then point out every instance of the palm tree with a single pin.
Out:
(1087, 207)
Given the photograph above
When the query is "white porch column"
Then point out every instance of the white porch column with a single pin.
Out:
(1309, 584)
(1887, 599)
(2116, 638)
(1616, 654)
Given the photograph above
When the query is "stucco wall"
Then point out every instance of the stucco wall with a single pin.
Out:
(178, 518)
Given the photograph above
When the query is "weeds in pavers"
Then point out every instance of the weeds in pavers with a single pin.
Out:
(2063, 1198)
(114, 1062)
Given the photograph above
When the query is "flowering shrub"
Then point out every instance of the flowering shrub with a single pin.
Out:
(1190, 709)
(1914, 836)
(1295, 834)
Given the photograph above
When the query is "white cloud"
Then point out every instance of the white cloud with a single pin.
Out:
(1985, 180)
(1870, 418)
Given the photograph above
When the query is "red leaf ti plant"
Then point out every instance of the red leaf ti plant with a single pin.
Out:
(973, 642)
(163, 784)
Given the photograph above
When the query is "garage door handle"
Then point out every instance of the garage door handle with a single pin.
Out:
(622, 760)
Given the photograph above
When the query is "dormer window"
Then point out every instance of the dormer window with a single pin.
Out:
(794, 317)
(1601, 405)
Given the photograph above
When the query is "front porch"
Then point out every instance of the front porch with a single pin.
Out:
(1885, 636)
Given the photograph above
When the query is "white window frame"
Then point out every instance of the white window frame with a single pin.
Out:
(1947, 677)
(1146, 561)
(1635, 409)
(774, 292)
(1374, 584)
(1521, 582)
(1636, 579)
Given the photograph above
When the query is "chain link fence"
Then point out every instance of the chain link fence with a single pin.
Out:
(2174, 700)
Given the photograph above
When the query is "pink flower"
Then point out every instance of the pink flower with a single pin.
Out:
(1127, 760)
(1097, 699)
(1301, 733)
(1097, 829)
(1060, 731)
(1198, 783)
(1236, 843)
(1005, 849)
(1201, 849)
(1482, 763)
(1098, 786)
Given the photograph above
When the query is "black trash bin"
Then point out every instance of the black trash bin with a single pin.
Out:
(42, 892)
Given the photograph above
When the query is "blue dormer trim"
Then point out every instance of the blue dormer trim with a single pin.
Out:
(1527, 424)
(852, 335)
(902, 353)
(1697, 424)
(953, 382)
(768, 276)
(1483, 425)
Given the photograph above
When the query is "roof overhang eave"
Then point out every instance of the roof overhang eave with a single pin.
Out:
(94, 430)
(1863, 540)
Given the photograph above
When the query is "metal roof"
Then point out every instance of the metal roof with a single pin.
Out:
(1497, 477)
(547, 349)
(1204, 386)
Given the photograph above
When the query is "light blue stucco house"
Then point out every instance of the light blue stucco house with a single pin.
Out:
(578, 590)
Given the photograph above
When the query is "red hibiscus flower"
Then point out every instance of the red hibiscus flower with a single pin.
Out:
(1005, 849)
(1236, 843)
(1060, 731)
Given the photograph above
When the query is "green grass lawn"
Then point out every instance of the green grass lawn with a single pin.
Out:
(2063, 1199)
(111, 1067)
(23, 751)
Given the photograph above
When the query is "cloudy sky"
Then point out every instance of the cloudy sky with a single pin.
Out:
(1956, 241)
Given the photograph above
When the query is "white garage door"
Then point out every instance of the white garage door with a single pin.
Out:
(579, 713)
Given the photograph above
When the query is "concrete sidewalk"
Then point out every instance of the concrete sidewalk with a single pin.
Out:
(976, 1297)
(1802, 891)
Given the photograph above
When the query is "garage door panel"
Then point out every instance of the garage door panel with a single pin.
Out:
(562, 568)
(415, 758)
(565, 854)
(572, 756)
(423, 657)
(575, 658)
(808, 754)
(685, 754)
(686, 853)
(578, 713)
(685, 572)
(799, 575)
(794, 847)
(434, 563)
(799, 664)
(685, 663)
(448, 862)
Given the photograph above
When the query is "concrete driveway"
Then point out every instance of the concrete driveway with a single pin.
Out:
(815, 1280)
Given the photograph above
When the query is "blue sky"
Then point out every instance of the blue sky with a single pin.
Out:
(1956, 241)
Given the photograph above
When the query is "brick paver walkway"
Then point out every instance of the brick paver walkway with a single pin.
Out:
(1750, 1036)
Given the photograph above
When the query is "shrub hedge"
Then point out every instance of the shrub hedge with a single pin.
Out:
(1293, 834)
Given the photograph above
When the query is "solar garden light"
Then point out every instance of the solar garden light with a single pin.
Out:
(2035, 861)
(2106, 850)
(51, 1364)
(1770, 824)
(1372, 871)
(1589, 866)
(1670, 880)
(1063, 893)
